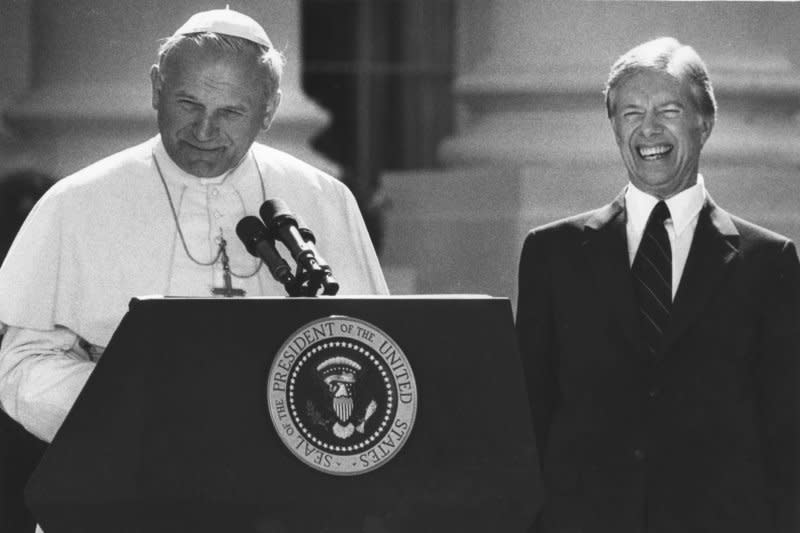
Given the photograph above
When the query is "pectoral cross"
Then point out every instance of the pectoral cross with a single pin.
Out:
(227, 289)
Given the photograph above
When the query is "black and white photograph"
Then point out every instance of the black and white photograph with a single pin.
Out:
(399, 266)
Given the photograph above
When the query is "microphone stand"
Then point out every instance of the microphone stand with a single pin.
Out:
(309, 282)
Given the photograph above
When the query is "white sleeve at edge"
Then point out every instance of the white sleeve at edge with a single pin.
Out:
(41, 375)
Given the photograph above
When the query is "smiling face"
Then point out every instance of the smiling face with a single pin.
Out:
(660, 132)
(211, 105)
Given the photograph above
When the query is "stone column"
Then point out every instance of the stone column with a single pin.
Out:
(533, 143)
(89, 92)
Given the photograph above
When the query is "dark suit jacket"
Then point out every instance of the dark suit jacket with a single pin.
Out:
(702, 437)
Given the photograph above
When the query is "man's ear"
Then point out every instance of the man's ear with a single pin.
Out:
(269, 111)
(706, 125)
(617, 135)
(155, 81)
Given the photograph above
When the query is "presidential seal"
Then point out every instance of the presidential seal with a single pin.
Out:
(342, 395)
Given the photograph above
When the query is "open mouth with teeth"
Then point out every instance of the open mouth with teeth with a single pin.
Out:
(654, 153)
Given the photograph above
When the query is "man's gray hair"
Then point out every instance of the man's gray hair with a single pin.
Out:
(271, 58)
(668, 56)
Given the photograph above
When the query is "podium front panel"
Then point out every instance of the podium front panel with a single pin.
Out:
(173, 433)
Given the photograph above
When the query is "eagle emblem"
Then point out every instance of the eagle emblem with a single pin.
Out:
(339, 379)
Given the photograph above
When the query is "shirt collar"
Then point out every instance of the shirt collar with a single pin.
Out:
(683, 207)
(173, 172)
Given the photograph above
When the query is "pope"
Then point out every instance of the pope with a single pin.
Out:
(160, 218)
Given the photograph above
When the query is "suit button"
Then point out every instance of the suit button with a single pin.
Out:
(638, 454)
(655, 391)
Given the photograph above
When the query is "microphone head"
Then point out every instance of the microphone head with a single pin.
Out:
(251, 231)
(275, 212)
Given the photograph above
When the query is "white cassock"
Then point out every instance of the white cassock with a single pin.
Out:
(107, 234)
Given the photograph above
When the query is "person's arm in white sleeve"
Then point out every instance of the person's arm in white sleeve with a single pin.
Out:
(41, 375)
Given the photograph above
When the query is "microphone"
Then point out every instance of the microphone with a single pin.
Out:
(330, 285)
(260, 244)
(282, 225)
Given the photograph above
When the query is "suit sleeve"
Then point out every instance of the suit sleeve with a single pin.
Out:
(778, 379)
(535, 334)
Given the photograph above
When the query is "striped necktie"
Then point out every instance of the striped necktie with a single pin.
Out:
(652, 277)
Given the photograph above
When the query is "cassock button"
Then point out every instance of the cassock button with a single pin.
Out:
(638, 454)
(655, 391)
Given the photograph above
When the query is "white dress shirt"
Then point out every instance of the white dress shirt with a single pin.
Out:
(684, 209)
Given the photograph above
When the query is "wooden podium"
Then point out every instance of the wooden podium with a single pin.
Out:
(173, 432)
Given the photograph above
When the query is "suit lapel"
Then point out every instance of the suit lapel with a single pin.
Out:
(714, 249)
(606, 246)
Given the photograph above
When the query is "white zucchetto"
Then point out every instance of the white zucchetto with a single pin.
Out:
(228, 22)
